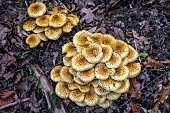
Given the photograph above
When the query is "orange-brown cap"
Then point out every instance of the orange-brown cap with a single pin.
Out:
(38, 29)
(134, 69)
(32, 40)
(53, 33)
(76, 95)
(86, 76)
(55, 73)
(42, 36)
(69, 49)
(36, 9)
(109, 40)
(96, 38)
(29, 25)
(43, 21)
(65, 75)
(60, 9)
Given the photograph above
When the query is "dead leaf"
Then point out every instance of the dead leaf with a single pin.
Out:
(161, 98)
(168, 6)
(7, 59)
(6, 97)
(134, 89)
(165, 62)
(136, 108)
(129, 34)
(93, 29)
(152, 63)
(3, 33)
(117, 32)
(8, 75)
(148, 2)
(89, 16)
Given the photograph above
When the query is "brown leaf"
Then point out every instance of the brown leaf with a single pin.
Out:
(3, 32)
(168, 6)
(152, 63)
(6, 97)
(89, 16)
(165, 62)
(7, 59)
(8, 75)
(134, 89)
(118, 33)
(93, 29)
(136, 108)
(161, 98)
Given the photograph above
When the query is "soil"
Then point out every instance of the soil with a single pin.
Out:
(144, 24)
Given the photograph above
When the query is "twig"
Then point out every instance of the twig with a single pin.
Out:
(48, 100)
(126, 101)
(14, 103)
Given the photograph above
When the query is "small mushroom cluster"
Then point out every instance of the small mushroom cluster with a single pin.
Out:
(97, 68)
(48, 24)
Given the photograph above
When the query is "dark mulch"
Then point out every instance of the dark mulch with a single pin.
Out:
(145, 24)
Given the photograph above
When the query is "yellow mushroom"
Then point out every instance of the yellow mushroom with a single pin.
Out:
(94, 83)
(55, 73)
(124, 86)
(84, 88)
(53, 33)
(67, 27)
(60, 9)
(73, 86)
(29, 25)
(113, 96)
(72, 71)
(107, 53)
(86, 76)
(43, 21)
(79, 63)
(67, 61)
(36, 9)
(124, 62)
(69, 49)
(102, 98)
(134, 69)
(62, 90)
(115, 61)
(57, 20)
(121, 73)
(78, 81)
(32, 40)
(133, 54)
(109, 40)
(93, 53)
(65, 75)
(76, 95)
(38, 29)
(109, 84)
(75, 17)
(121, 48)
(42, 36)
(96, 38)
(105, 104)
(100, 91)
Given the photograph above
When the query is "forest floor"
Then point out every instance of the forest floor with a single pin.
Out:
(145, 24)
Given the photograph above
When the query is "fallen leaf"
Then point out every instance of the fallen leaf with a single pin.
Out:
(152, 63)
(7, 59)
(101, 30)
(6, 97)
(8, 75)
(117, 32)
(161, 98)
(89, 16)
(129, 34)
(136, 108)
(165, 62)
(93, 29)
(134, 89)
(168, 6)
(3, 32)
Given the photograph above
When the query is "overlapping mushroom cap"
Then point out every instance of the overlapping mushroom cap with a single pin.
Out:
(97, 68)
(49, 24)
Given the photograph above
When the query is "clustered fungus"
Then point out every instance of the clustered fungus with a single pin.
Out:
(97, 68)
(48, 24)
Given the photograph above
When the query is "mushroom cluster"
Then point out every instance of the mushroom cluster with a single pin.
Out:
(48, 24)
(97, 68)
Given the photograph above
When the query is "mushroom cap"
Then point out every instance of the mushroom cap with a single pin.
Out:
(94, 83)
(43, 21)
(69, 49)
(100, 91)
(81, 47)
(91, 98)
(79, 63)
(29, 25)
(121, 73)
(32, 40)
(108, 40)
(65, 75)
(107, 53)
(38, 29)
(50, 12)
(36, 9)
(102, 72)
(78, 81)
(42, 36)
(72, 21)
(55, 73)
(113, 96)
(81, 37)
(62, 90)
(109, 84)
(74, 16)
(72, 71)
(76, 95)
(124, 62)
(96, 38)
(67, 61)
(124, 86)
(133, 54)
(93, 53)
(134, 69)
(114, 61)
(73, 86)
(60, 9)
(82, 104)
(102, 99)
(105, 104)
(67, 27)
(121, 48)
(84, 88)
(57, 20)
(53, 33)
(86, 76)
